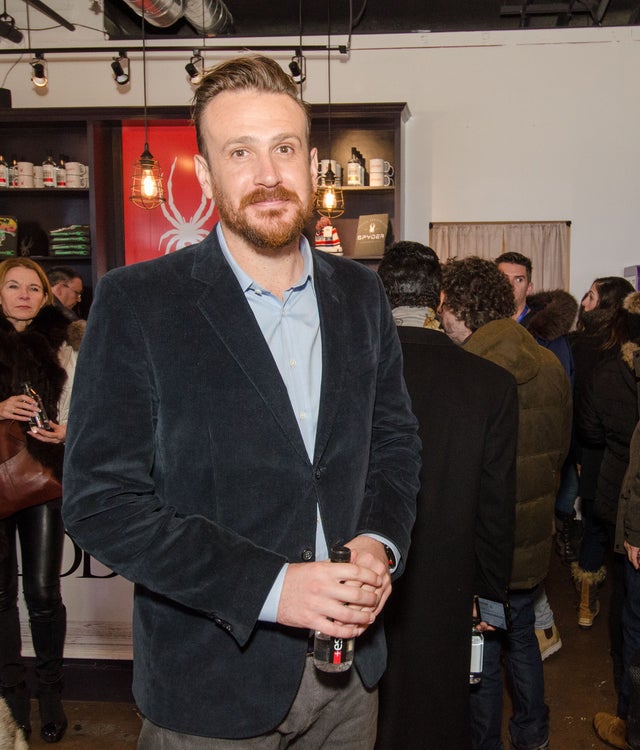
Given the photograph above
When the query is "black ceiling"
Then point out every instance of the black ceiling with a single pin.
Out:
(258, 18)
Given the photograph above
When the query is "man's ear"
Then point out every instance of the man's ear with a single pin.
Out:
(313, 165)
(203, 174)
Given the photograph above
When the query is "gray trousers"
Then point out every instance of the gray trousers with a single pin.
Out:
(330, 712)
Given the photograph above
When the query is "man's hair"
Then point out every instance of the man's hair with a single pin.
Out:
(56, 274)
(246, 73)
(411, 275)
(518, 259)
(476, 291)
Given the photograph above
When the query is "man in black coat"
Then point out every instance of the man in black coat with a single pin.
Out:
(462, 541)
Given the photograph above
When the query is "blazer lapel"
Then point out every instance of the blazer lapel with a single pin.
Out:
(227, 311)
(332, 304)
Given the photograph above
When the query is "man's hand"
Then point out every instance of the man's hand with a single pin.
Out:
(633, 553)
(369, 553)
(340, 599)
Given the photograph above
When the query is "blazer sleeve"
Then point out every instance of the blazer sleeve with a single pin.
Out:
(111, 504)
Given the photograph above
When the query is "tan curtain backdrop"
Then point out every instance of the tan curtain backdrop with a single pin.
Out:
(546, 243)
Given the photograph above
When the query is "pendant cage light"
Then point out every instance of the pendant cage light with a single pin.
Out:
(329, 200)
(147, 189)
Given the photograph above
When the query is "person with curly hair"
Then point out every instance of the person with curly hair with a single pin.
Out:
(476, 309)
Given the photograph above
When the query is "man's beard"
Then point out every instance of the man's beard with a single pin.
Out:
(271, 231)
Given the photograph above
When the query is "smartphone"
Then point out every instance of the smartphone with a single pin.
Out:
(494, 613)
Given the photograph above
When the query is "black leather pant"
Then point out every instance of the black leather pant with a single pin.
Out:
(41, 543)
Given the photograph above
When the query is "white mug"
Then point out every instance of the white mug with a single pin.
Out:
(77, 181)
(25, 168)
(75, 167)
(25, 181)
(380, 179)
(380, 165)
(38, 179)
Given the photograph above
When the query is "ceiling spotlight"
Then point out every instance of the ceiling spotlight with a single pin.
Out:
(39, 71)
(120, 67)
(8, 28)
(195, 67)
(298, 67)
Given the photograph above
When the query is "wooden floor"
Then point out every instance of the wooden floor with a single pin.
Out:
(578, 683)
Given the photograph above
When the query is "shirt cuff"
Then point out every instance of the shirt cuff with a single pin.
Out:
(269, 611)
(388, 543)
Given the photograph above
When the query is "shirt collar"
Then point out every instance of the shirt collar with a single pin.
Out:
(247, 283)
(523, 314)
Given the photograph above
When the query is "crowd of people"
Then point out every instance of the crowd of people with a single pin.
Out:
(243, 406)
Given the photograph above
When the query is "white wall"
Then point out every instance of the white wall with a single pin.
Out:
(520, 125)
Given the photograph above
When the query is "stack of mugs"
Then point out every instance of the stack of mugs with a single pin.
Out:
(77, 174)
(380, 173)
(24, 175)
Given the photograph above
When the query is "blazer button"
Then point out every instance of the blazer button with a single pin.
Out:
(307, 554)
(318, 473)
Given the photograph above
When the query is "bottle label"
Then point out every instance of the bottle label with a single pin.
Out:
(49, 175)
(4, 176)
(353, 174)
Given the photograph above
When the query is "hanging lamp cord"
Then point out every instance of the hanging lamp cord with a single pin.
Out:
(144, 76)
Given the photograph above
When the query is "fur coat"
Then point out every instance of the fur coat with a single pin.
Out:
(32, 356)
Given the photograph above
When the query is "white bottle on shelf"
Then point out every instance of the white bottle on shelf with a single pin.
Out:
(49, 172)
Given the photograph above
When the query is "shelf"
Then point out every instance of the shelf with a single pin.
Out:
(60, 258)
(42, 191)
(367, 188)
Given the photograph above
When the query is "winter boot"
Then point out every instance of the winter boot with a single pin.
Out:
(587, 584)
(48, 634)
(13, 686)
(566, 537)
(611, 729)
(53, 720)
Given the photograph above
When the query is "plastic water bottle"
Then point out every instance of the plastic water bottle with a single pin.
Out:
(334, 654)
(40, 419)
(477, 656)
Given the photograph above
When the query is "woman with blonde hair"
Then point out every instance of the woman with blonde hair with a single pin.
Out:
(34, 348)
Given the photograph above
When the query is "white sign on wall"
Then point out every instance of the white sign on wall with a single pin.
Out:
(99, 609)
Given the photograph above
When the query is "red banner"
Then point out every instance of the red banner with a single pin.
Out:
(186, 216)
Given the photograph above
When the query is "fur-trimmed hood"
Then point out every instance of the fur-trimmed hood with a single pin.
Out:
(628, 350)
(552, 314)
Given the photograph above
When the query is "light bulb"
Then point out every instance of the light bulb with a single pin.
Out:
(149, 186)
(329, 199)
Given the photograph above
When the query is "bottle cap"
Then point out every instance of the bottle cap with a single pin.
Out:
(340, 553)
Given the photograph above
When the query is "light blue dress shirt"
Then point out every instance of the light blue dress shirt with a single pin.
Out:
(291, 328)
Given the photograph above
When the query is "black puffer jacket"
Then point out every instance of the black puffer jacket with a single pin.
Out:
(607, 418)
(32, 355)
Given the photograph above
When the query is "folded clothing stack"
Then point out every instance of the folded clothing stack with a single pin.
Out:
(72, 240)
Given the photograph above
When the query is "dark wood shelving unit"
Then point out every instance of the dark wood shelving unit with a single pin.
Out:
(93, 136)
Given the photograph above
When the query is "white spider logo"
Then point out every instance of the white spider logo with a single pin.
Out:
(184, 232)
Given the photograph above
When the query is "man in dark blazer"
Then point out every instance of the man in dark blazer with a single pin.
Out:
(462, 541)
(238, 409)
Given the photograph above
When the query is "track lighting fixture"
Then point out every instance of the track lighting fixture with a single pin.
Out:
(39, 70)
(8, 29)
(195, 67)
(298, 67)
(120, 67)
